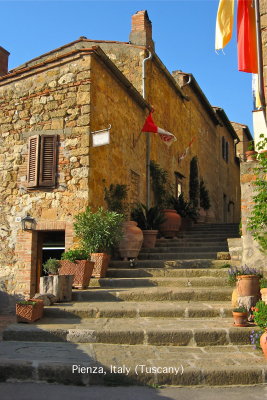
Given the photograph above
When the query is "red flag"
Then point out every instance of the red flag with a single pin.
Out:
(150, 126)
(246, 37)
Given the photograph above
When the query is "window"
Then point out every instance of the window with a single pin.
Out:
(42, 161)
(225, 149)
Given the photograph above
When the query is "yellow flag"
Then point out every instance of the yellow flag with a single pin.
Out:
(224, 23)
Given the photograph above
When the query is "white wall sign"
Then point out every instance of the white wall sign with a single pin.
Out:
(101, 138)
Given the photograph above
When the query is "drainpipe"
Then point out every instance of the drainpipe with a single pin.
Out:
(259, 55)
(147, 134)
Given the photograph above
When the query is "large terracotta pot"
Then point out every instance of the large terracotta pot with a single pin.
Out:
(150, 237)
(251, 155)
(240, 318)
(81, 269)
(171, 225)
(30, 313)
(101, 261)
(132, 240)
(248, 285)
(263, 343)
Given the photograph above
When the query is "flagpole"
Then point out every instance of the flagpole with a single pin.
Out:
(147, 135)
(259, 54)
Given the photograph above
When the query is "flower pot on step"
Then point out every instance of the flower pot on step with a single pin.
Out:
(101, 261)
(240, 318)
(263, 343)
(29, 311)
(150, 237)
(81, 269)
(171, 225)
(131, 241)
(248, 285)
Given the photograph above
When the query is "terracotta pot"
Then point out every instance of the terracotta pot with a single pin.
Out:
(172, 223)
(251, 155)
(81, 269)
(240, 318)
(30, 313)
(263, 343)
(132, 240)
(150, 237)
(248, 285)
(264, 295)
(101, 261)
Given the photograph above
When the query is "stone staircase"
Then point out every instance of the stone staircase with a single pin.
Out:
(167, 321)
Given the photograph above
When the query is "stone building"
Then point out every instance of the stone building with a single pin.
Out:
(49, 169)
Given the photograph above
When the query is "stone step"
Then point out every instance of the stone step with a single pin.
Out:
(191, 243)
(177, 256)
(183, 264)
(159, 281)
(60, 362)
(157, 309)
(165, 272)
(132, 331)
(199, 234)
(185, 249)
(154, 294)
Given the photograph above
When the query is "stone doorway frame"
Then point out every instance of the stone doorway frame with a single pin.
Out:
(26, 253)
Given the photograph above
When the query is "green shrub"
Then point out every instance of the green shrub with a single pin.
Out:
(98, 231)
(240, 309)
(260, 314)
(147, 219)
(204, 198)
(51, 266)
(115, 197)
(76, 254)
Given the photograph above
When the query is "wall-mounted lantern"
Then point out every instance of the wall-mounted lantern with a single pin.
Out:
(27, 223)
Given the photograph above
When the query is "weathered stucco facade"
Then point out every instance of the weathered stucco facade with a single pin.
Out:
(83, 87)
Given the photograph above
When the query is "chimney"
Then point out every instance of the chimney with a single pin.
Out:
(141, 33)
(3, 61)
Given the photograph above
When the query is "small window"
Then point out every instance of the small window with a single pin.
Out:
(178, 184)
(225, 149)
(42, 161)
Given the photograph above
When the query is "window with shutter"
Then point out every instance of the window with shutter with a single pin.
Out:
(33, 164)
(42, 161)
(47, 176)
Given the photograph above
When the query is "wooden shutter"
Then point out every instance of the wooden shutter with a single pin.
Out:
(33, 164)
(48, 154)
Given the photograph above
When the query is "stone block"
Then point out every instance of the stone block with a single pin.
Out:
(59, 285)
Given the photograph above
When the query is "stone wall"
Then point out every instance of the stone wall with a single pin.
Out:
(252, 256)
(53, 100)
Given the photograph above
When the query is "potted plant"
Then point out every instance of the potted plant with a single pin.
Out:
(240, 315)
(251, 154)
(132, 237)
(29, 310)
(59, 286)
(51, 266)
(260, 318)
(263, 289)
(247, 280)
(149, 221)
(75, 262)
(186, 210)
(98, 232)
(162, 190)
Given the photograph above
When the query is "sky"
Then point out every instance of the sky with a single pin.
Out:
(183, 32)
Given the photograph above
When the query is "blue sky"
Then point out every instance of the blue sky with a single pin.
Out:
(183, 31)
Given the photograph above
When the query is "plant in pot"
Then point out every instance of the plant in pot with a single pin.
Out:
(76, 262)
(58, 285)
(260, 319)
(246, 279)
(98, 232)
(132, 236)
(149, 221)
(162, 190)
(29, 310)
(240, 315)
(186, 210)
(51, 266)
(251, 154)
